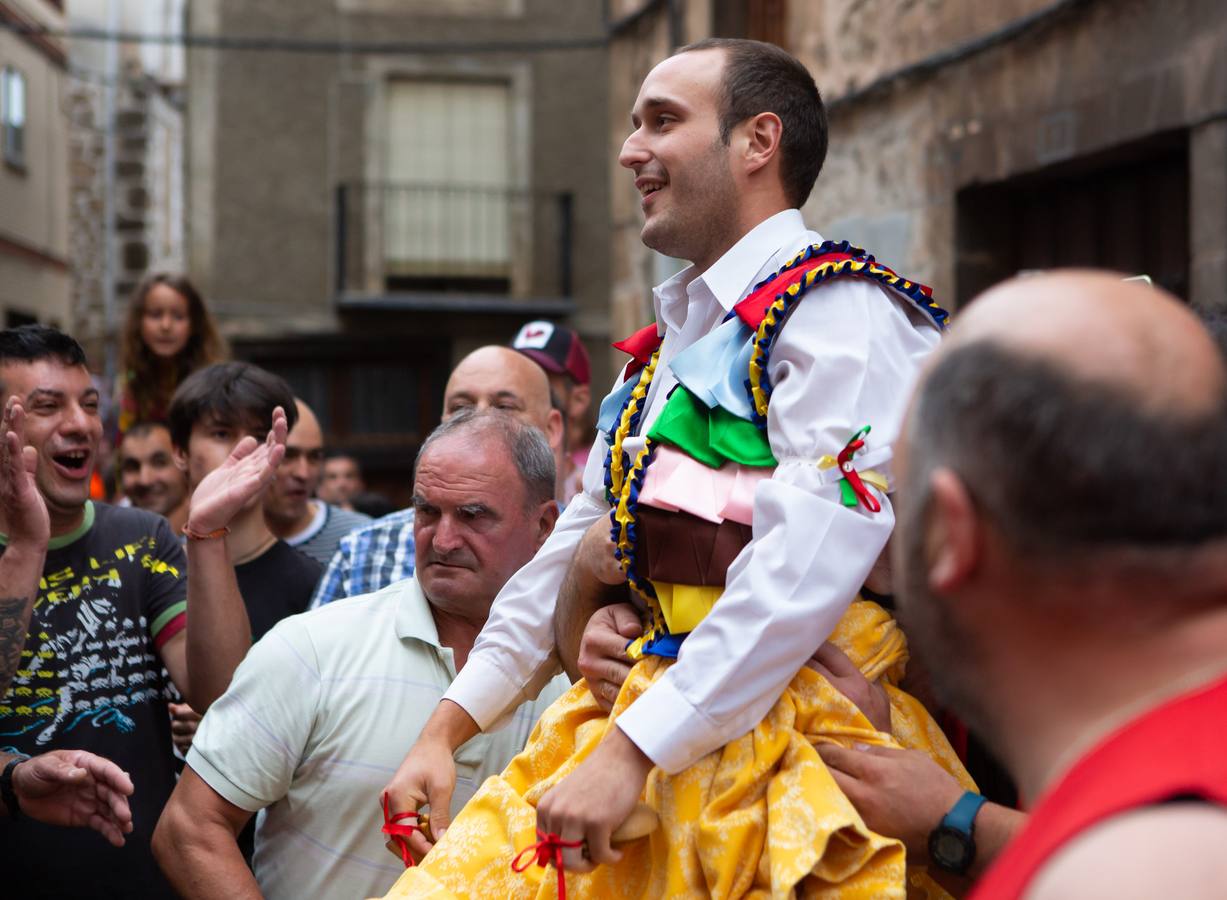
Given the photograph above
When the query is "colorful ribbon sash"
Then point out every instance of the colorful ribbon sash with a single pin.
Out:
(697, 423)
(768, 306)
(711, 436)
(640, 346)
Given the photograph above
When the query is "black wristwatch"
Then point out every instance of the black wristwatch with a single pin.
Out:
(6, 787)
(952, 844)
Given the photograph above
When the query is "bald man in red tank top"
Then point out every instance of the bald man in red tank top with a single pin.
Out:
(1062, 553)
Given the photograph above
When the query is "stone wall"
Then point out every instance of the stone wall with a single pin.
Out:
(87, 212)
(1100, 76)
(34, 270)
(931, 97)
(148, 195)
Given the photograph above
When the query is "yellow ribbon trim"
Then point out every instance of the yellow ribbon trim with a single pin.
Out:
(616, 476)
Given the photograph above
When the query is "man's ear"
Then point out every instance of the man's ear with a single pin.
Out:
(953, 543)
(553, 429)
(180, 455)
(761, 134)
(547, 516)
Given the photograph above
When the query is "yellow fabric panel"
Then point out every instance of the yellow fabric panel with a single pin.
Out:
(760, 818)
(685, 605)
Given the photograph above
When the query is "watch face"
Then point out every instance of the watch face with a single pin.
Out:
(950, 849)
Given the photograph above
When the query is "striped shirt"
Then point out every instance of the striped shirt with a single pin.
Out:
(369, 559)
(317, 719)
(320, 539)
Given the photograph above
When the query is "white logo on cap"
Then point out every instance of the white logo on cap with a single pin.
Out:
(534, 336)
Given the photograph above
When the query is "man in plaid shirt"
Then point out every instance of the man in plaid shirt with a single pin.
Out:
(492, 377)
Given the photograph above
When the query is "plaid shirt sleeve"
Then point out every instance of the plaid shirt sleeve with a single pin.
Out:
(369, 559)
(335, 583)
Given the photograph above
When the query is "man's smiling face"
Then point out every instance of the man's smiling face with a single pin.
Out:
(62, 424)
(147, 471)
(681, 165)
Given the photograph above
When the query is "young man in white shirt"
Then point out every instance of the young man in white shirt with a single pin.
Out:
(723, 166)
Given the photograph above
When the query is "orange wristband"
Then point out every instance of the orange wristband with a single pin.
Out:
(197, 536)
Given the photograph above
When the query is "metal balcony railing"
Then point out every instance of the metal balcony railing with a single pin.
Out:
(402, 240)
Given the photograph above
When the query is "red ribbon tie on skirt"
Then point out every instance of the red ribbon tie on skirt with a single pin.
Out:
(547, 851)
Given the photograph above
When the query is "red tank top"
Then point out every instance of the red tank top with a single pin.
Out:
(1171, 751)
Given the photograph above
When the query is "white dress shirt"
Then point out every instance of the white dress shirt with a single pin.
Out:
(846, 358)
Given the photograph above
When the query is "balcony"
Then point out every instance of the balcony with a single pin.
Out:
(453, 248)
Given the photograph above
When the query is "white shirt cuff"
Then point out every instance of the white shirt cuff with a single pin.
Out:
(485, 692)
(671, 732)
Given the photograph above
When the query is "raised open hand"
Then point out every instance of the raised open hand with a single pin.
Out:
(25, 512)
(238, 481)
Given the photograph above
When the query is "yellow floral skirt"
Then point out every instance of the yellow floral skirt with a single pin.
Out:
(762, 817)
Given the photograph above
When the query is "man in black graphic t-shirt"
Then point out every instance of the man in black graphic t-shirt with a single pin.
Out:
(113, 593)
(108, 623)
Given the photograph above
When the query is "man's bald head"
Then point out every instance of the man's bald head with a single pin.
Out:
(1127, 337)
(495, 377)
(1082, 413)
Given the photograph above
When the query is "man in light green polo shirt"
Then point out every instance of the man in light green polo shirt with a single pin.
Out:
(318, 715)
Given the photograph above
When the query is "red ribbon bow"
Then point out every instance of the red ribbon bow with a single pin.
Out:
(547, 850)
(640, 345)
(399, 833)
(853, 477)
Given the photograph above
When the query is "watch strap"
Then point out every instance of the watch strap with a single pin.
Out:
(6, 787)
(963, 814)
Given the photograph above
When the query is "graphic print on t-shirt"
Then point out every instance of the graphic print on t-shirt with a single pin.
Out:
(90, 661)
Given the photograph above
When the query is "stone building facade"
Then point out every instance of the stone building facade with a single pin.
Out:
(973, 140)
(143, 229)
(34, 249)
(378, 187)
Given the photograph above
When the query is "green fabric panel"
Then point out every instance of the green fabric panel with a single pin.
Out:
(712, 436)
(739, 440)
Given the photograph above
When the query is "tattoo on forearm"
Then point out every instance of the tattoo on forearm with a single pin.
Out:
(14, 623)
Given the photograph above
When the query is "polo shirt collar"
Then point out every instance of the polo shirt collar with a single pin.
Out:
(413, 618)
(729, 277)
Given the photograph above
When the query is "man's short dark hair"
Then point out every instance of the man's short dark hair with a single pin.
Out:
(144, 428)
(1065, 468)
(237, 394)
(29, 343)
(760, 77)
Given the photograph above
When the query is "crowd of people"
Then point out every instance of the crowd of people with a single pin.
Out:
(838, 598)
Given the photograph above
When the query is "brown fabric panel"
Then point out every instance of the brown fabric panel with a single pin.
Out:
(683, 549)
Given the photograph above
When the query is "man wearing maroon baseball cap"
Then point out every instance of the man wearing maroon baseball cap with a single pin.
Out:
(559, 350)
